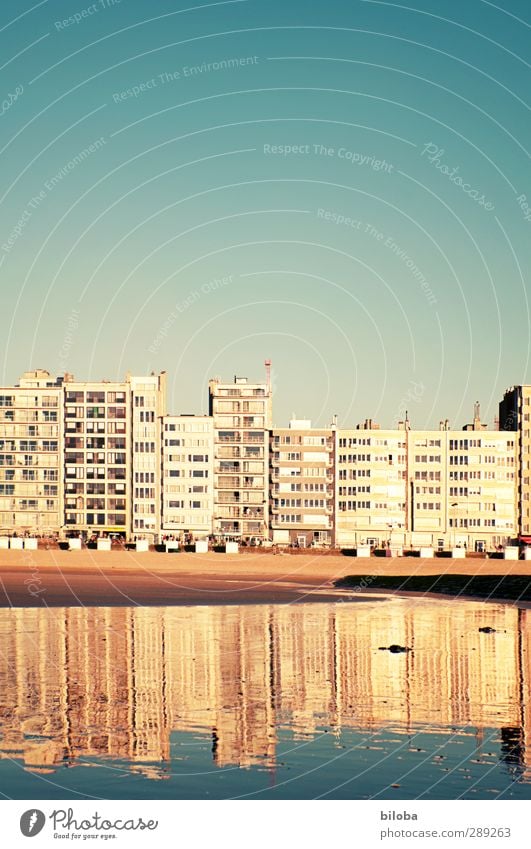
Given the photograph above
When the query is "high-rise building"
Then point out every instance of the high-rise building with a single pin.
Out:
(187, 475)
(112, 455)
(242, 419)
(515, 416)
(97, 467)
(148, 406)
(302, 484)
(31, 455)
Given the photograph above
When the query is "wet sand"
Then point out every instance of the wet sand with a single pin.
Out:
(69, 578)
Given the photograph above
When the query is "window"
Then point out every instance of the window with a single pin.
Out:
(116, 412)
(95, 397)
(95, 412)
(116, 397)
(147, 416)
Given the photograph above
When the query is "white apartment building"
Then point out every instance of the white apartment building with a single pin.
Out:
(427, 488)
(31, 451)
(112, 456)
(242, 418)
(302, 484)
(481, 490)
(96, 458)
(371, 497)
(148, 406)
(187, 476)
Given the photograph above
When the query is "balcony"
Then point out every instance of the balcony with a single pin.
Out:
(229, 453)
(249, 512)
(254, 453)
(228, 483)
(227, 468)
(277, 475)
(228, 527)
(252, 528)
(227, 512)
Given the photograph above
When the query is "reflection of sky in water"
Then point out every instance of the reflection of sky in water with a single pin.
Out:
(280, 701)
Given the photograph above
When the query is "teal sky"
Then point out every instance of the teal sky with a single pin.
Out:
(338, 187)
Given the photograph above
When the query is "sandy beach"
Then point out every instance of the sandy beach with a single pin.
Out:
(63, 578)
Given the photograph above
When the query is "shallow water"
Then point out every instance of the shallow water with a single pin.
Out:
(266, 701)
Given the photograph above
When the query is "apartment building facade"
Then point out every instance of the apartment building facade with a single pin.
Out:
(148, 407)
(112, 456)
(371, 488)
(242, 419)
(105, 457)
(302, 484)
(187, 476)
(31, 455)
(515, 417)
(97, 449)
(438, 489)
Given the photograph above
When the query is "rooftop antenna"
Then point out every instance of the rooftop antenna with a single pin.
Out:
(267, 364)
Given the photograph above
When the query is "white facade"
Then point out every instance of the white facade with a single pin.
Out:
(96, 458)
(112, 456)
(426, 488)
(302, 484)
(370, 486)
(31, 452)
(148, 406)
(242, 418)
(187, 476)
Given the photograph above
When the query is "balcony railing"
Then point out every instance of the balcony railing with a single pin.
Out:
(227, 512)
(229, 453)
(228, 483)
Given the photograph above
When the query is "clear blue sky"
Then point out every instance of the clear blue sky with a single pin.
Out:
(335, 186)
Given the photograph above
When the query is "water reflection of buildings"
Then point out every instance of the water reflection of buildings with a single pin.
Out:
(115, 682)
